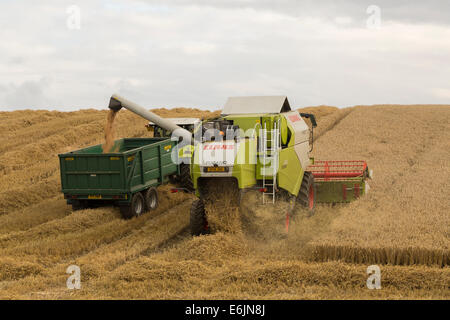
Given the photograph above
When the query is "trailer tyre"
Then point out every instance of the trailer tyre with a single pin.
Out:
(151, 199)
(307, 194)
(135, 208)
(198, 221)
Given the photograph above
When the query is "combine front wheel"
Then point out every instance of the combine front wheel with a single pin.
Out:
(307, 194)
(198, 222)
(185, 177)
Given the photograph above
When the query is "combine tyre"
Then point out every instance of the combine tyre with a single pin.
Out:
(185, 177)
(307, 194)
(198, 222)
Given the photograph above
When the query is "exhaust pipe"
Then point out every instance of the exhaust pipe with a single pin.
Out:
(117, 102)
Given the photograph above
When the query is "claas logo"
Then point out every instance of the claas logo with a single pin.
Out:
(218, 147)
(294, 118)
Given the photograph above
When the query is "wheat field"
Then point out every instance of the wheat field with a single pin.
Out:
(402, 224)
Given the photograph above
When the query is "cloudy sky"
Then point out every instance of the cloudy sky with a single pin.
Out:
(67, 55)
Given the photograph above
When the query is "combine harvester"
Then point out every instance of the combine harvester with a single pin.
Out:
(270, 153)
(256, 143)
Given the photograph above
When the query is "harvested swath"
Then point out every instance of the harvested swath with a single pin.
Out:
(222, 205)
(142, 241)
(263, 223)
(22, 180)
(240, 275)
(17, 198)
(47, 147)
(42, 129)
(294, 280)
(138, 237)
(13, 269)
(33, 215)
(264, 226)
(18, 120)
(77, 233)
(201, 248)
(76, 222)
(393, 256)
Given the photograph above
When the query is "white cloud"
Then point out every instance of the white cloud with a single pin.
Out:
(441, 93)
(28, 94)
(198, 54)
(343, 20)
(199, 48)
(123, 49)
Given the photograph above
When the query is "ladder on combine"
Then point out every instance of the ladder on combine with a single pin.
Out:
(270, 142)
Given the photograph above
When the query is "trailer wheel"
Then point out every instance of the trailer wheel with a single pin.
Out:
(185, 177)
(78, 205)
(135, 208)
(151, 199)
(307, 194)
(198, 221)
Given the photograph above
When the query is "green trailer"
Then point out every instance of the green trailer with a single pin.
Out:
(126, 177)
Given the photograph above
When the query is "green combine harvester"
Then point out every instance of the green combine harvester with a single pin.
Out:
(256, 143)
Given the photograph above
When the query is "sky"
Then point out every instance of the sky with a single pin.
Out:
(70, 55)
